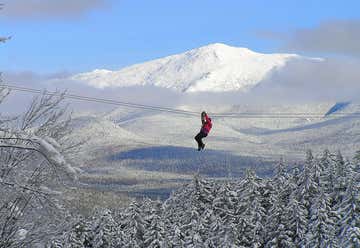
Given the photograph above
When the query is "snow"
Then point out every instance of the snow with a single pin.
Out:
(49, 191)
(50, 148)
(212, 68)
(102, 131)
(21, 234)
(266, 137)
(247, 212)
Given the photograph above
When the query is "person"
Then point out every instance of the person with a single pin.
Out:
(205, 129)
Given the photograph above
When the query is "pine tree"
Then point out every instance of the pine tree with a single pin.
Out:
(155, 233)
(318, 171)
(350, 215)
(321, 232)
(191, 225)
(225, 202)
(306, 186)
(276, 233)
(104, 230)
(249, 188)
(328, 178)
(357, 156)
(296, 216)
(172, 221)
(177, 238)
(254, 213)
(280, 190)
(281, 176)
(256, 216)
(244, 229)
(317, 206)
(79, 236)
(340, 185)
(133, 225)
(203, 192)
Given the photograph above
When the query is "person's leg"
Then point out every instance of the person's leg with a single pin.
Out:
(198, 138)
(203, 135)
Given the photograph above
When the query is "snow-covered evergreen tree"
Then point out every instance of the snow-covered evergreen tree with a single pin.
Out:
(357, 157)
(306, 186)
(296, 220)
(133, 225)
(276, 233)
(155, 233)
(328, 177)
(281, 176)
(225, 202)
(340, 183)
(321, 232)
(306, 208)
(349, 212)
(254, 213)
(104, 230)
(79, 236)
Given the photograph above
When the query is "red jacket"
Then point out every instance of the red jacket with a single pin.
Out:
(207, 125)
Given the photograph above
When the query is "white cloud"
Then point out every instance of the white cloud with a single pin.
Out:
(309, 80)
(58, 81)
(300, 81)
(336, 37)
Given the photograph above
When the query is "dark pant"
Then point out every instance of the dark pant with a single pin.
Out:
(198, 138)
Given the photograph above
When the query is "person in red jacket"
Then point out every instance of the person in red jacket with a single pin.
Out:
(205, 129)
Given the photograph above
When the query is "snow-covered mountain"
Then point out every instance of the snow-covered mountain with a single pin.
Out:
(212, 68)
(218, 68)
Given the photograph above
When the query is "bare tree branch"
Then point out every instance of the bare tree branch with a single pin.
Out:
(30, 161)
(27, 149)
(25, 188)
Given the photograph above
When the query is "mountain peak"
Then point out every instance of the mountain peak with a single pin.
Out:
(222, 47)
(215, 67)
(222, 51)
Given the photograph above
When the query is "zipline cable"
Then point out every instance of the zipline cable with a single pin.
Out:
(99, 100)
(172, 110)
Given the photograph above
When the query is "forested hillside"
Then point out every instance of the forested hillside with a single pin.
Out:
(314, 205)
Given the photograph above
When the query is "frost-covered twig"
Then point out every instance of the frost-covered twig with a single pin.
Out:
(47, 147)
(44, 108)
(24, 187)
(4, 92)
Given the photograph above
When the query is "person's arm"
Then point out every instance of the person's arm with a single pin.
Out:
(207, 119)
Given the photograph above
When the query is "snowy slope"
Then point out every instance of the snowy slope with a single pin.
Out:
(216, 68)
(213, 68)
(268, 137)
(100, 134)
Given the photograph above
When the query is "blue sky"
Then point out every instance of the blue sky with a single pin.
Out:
(113, 34)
